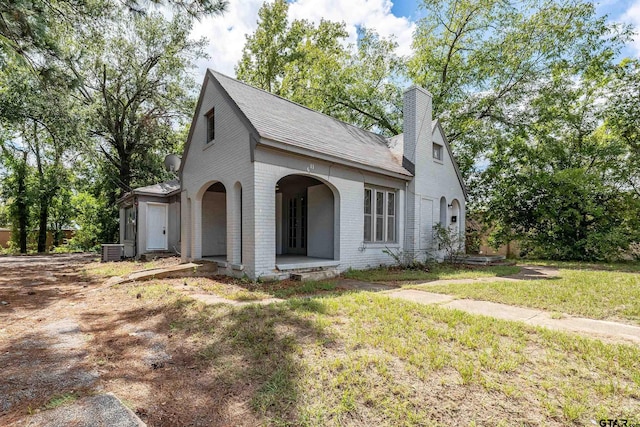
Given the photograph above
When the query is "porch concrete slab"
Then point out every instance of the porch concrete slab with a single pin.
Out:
(611, 331)
(100, 410)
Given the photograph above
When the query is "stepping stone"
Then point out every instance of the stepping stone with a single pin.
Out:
(93, 411)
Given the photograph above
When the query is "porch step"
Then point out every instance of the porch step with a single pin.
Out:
(306, 276)
(308, 265)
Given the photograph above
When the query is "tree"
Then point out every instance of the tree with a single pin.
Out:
(316, 67)
(16, 192)
(137, 90)
(623, 118)
(483, 60)
(558, 185)
(42, 125)
(28, 27)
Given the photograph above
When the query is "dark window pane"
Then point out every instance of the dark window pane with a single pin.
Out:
(379, 228)
(391, 204)
(391, 229)
(437, 151)
(379, 203)
(211, 126)
(367, 201)
(367, 228)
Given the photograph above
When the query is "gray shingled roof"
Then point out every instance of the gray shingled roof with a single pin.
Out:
(161, 189)
(278, 119)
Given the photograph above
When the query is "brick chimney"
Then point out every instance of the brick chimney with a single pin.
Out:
(417, 112)
(417, 140)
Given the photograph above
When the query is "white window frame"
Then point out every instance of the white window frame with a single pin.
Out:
(385, 215)
(439, 149)
(211, 130)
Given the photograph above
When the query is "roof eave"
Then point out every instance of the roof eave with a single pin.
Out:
(283, 146)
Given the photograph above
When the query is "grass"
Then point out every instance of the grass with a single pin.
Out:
(436, 272)
(366, 359)
(628, 266)
(291, 288)
(241, 290)
(61, 399)
(228, 290)
(595, 294)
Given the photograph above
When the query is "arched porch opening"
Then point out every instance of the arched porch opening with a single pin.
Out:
(214, 222)
(307, 220)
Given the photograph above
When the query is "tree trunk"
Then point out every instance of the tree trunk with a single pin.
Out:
(21, 204)
(124, 176)
(43, 199)
(42, 225)
(57, 235)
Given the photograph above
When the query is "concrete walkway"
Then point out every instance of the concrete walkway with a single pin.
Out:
(99, 410)
(610, 331)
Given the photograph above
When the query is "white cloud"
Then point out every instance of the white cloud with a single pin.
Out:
(226, 34)
(632, 16)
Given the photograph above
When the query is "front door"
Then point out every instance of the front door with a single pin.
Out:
(296, 224)
(156, 226)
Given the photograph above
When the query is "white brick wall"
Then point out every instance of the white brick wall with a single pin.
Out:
(433, 179)
(228, 160)
(271, 166)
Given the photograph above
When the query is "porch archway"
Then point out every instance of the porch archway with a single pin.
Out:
(307, 219)
(214, 221)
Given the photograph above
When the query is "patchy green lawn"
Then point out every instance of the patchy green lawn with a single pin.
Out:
(436, 272)
(596, 294)
(291, 288)
(229, 288)
(629, 266)
(366, 359)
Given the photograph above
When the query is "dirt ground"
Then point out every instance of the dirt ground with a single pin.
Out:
(64, 334)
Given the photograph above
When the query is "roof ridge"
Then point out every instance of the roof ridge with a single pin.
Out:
(300, 105)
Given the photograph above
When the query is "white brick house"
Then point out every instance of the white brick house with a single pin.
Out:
(268, 185)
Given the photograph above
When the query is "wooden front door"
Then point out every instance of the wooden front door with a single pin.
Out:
(296, 224)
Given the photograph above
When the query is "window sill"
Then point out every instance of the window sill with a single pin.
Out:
(209, 144)
(375, 245)
(440, 162)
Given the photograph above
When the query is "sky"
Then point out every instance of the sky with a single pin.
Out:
(397, 18)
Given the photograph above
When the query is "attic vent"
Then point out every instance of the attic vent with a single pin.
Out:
(112, 252)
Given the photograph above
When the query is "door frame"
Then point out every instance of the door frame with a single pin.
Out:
(166, 226)
(301, 207)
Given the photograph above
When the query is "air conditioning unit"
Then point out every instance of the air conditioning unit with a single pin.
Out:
(112, 252)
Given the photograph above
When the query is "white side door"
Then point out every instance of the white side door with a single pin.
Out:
(156, 226)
